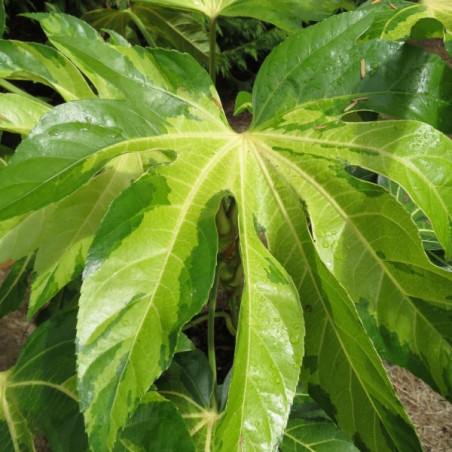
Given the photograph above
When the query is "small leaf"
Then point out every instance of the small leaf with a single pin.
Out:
(243, 102)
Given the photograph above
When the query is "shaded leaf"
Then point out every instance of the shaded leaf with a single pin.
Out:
(13, 288)
(392, 84)
(155, 425)
(188, 383)
(38, 394)
(310, 429)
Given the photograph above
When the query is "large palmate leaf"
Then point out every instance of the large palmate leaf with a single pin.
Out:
(38, 394)
(286, 14)
(151, 265)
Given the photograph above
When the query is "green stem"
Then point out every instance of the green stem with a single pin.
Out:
(205, 317)
(211, 336)
(213, 48)
(142, 28)
(14, 89)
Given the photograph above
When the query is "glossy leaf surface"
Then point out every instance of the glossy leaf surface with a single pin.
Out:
(39, 63)
(20, 114)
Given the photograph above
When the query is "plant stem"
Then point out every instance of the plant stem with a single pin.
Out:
(213, 48)
(143, 30)
(15, 90)
(211, 336)
(203, 318)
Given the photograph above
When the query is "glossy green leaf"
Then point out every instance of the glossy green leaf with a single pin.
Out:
(155, 425)
(14, 286)
(38, 394)
(287, 14)
(20, 114)
(399, 80)
(310, 429)
(39, 63)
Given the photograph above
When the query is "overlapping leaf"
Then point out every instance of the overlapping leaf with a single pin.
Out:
(155, 425)
(65, 240)
(188, 383)
(39, 63)
(14, 285)
(182, 31)
(341, 369)
(310, 429)
(383, 268)
(44, 371)
(20, 114)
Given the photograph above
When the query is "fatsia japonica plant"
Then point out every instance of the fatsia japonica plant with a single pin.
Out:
(138, 182)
